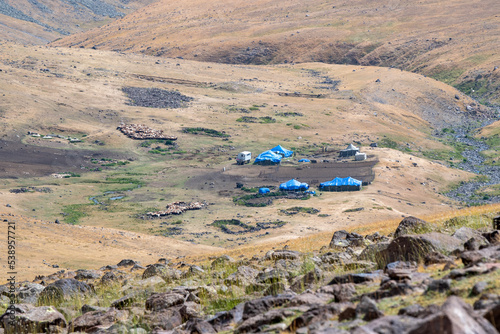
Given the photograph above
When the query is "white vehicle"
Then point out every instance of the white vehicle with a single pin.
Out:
(244, 157)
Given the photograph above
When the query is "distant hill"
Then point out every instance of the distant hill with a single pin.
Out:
(454, 41)
(39, 22)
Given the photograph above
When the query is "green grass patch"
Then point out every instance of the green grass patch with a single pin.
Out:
(206, 132)
(74, 212)
(300, 209)
(448, 76)
(149, 142)
(289, 114)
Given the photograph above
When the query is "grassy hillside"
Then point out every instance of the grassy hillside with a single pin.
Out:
(40, 22)
(112, 181)
(452, 41)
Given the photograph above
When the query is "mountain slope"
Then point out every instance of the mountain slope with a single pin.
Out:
(39, 22)
(454, 41)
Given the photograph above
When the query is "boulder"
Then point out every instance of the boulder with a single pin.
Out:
(168, 274)
(161, 301)
(281, 255)
(416, 247)
(493, 316)
(456, 316)
(412, 225)
(126, 263)
(28, 293)
(368, 310)
(314, 315)
(84, 274)
(255, 324)
(30, 319)
(491, 253)
(262, 305)
(342, 239)
(222, 261)
(64, 288)
(356, 278)
(466, 233)
(166, 319)
(93, 320)
(199, 326)
(242, 277)
(341, 292)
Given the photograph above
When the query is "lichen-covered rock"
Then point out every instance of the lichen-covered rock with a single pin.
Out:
(30, 319)
(412, 225)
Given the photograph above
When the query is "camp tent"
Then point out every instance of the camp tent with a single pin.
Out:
(349, 151)
(304, 160)
(268, 158)
(283, 151)
(264, 190)
(293, 185)
(341, 184)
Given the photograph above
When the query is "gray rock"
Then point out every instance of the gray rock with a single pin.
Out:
(281, 255)
(416, 247)
(493, 316)
(455, 317)
(31, 319)
(90, 321)
(255, 324)
(222, 261)
(28, 293)
(368, 310)
(478, 288)
(412, 225)
(161, 301)
(262, 305)
(466, 233)
(84, 274)
(126, 263)
(314, 315)
(243, 276)
(439, 285)
(64, 288)
(168, 274)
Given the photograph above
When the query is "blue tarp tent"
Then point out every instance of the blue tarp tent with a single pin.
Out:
(283, 151)
(268, 158)
(304, 160)
(341, 184)
(264, 190)
(293, 185)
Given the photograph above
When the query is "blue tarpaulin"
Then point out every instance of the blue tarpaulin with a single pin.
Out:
(293, 185)
(341, 184)
(304, 160)
(264, 190)
(283, 151)
(268, 157)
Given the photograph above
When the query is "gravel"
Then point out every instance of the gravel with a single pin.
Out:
(474, 163)
(155, 97)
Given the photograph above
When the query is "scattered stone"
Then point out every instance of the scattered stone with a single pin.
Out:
(412, 225)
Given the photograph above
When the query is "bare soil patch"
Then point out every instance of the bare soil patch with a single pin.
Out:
(20, 160)
(256, 175)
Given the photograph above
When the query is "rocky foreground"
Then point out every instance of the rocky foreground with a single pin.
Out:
(420, 279)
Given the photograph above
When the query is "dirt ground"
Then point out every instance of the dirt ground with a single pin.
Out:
(224, 181)
(21, 160)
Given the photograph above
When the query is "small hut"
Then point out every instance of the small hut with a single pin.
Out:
(350, 151)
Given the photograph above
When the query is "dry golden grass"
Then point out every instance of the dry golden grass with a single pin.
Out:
(450, 40)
